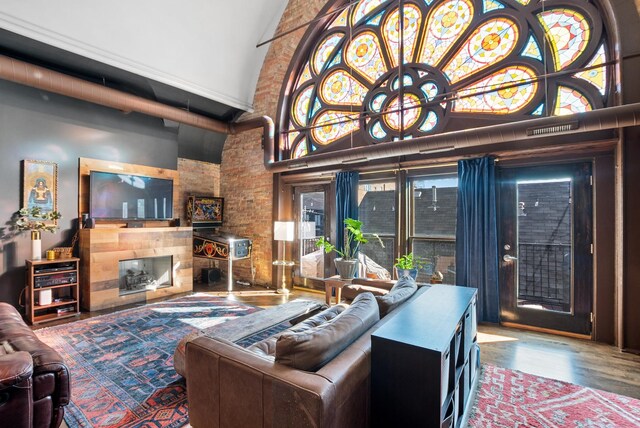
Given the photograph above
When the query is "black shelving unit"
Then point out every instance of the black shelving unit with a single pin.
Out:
(424, 361)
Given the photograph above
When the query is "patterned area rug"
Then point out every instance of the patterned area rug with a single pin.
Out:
(509, 398)
(121, 364)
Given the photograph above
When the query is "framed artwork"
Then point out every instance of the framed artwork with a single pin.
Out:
(40, 185)
(205, 211)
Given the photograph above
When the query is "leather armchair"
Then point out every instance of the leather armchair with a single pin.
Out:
(378, 287)
(34, 381)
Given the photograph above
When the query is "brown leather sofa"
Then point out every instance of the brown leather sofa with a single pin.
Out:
(378, 287)
(229, 386)
(34, 381)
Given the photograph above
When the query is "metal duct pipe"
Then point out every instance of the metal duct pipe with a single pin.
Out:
(42, 78)
(595, 120)
(268, 134)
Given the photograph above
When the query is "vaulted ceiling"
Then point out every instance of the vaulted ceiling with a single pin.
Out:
(200, 56)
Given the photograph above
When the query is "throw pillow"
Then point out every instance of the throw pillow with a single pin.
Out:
(401, 291)
(312, 348)
(267, 347)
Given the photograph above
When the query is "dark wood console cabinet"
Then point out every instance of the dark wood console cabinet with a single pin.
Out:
(424, 362)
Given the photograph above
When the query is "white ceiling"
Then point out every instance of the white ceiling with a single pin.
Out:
(206, 47)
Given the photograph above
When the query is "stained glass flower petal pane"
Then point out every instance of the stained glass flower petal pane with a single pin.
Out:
(305, 76)
(489, 44)
(363, 54)
(377, 132)
(333, 125)
(446, 23)
(511, 98)
(300, 150)
(411, 112)
(568, 32)
(524, 2)
(324, 51)
(570, 101)
(532, 49)
(430, 122)
(430, 90)
(341, 89)
(376, 103)
(301, 106)
(489, 5)
(596, 76)
(391, 33)
(538, 110)
(341, 19)
(363, 9)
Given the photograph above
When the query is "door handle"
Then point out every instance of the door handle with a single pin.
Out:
(508, 258)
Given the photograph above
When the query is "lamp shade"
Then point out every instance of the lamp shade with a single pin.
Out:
(283, 230)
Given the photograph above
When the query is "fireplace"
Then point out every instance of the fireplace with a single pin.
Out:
(145, 274)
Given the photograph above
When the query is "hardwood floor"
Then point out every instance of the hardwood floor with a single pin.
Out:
(577, 361)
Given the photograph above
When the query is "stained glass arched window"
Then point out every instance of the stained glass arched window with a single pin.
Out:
(377, 73)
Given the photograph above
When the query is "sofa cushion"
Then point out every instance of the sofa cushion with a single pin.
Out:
(400, 293)
(267, 347)
(310, 349)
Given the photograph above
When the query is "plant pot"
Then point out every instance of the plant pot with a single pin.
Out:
(36, 245)
(346, 268)
(413, 273)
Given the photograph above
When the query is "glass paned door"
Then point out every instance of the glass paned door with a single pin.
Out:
(311, 226)
(544, 250)
(546, 276)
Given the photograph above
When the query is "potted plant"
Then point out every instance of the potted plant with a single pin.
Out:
(36, 221)
(408, 264)
(347, 263)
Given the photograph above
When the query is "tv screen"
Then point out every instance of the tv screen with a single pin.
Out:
(130, 197)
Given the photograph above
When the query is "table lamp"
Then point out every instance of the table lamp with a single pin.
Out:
(283, 231)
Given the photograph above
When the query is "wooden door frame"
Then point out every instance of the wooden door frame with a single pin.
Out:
(582, 263)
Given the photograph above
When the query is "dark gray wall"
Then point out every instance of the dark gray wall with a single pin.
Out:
(42, 126)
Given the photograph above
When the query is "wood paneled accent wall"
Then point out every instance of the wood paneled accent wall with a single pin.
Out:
(86, 165)
(102, 249)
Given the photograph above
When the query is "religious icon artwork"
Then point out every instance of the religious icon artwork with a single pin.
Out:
(378, 74)
(40, 186)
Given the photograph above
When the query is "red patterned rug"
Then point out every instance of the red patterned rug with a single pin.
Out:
(121, 364)
(509, 398)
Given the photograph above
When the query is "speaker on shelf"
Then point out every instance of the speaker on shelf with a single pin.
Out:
(135, 224)
(90, 223)
(210, 275)
(176, 222)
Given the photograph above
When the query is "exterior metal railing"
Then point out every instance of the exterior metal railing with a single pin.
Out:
(544, 275)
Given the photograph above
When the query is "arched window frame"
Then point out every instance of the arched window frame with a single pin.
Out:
(301, 139)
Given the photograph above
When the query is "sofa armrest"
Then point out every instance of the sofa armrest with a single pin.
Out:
(230, 386)
(15, 368)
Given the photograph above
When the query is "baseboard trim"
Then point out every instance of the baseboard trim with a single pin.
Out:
(546, 330)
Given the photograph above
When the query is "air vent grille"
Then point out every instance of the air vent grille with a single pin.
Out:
(553, 129)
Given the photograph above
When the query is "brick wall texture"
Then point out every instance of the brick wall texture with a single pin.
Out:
(246, 186)
(196, 179)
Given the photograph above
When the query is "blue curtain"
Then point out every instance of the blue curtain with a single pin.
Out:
(346, 201)
(477, 234)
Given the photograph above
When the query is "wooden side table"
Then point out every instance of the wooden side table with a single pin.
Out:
(334, 283)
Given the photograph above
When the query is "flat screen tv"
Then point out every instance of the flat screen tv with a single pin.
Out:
(130, 197)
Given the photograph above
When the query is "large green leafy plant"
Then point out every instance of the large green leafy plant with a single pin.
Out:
(409, 261)
(34, 219)
(353, 238)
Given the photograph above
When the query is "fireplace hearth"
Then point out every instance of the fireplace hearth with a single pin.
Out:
(145, 274)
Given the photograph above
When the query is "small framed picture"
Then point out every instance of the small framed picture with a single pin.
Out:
(40, 186)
